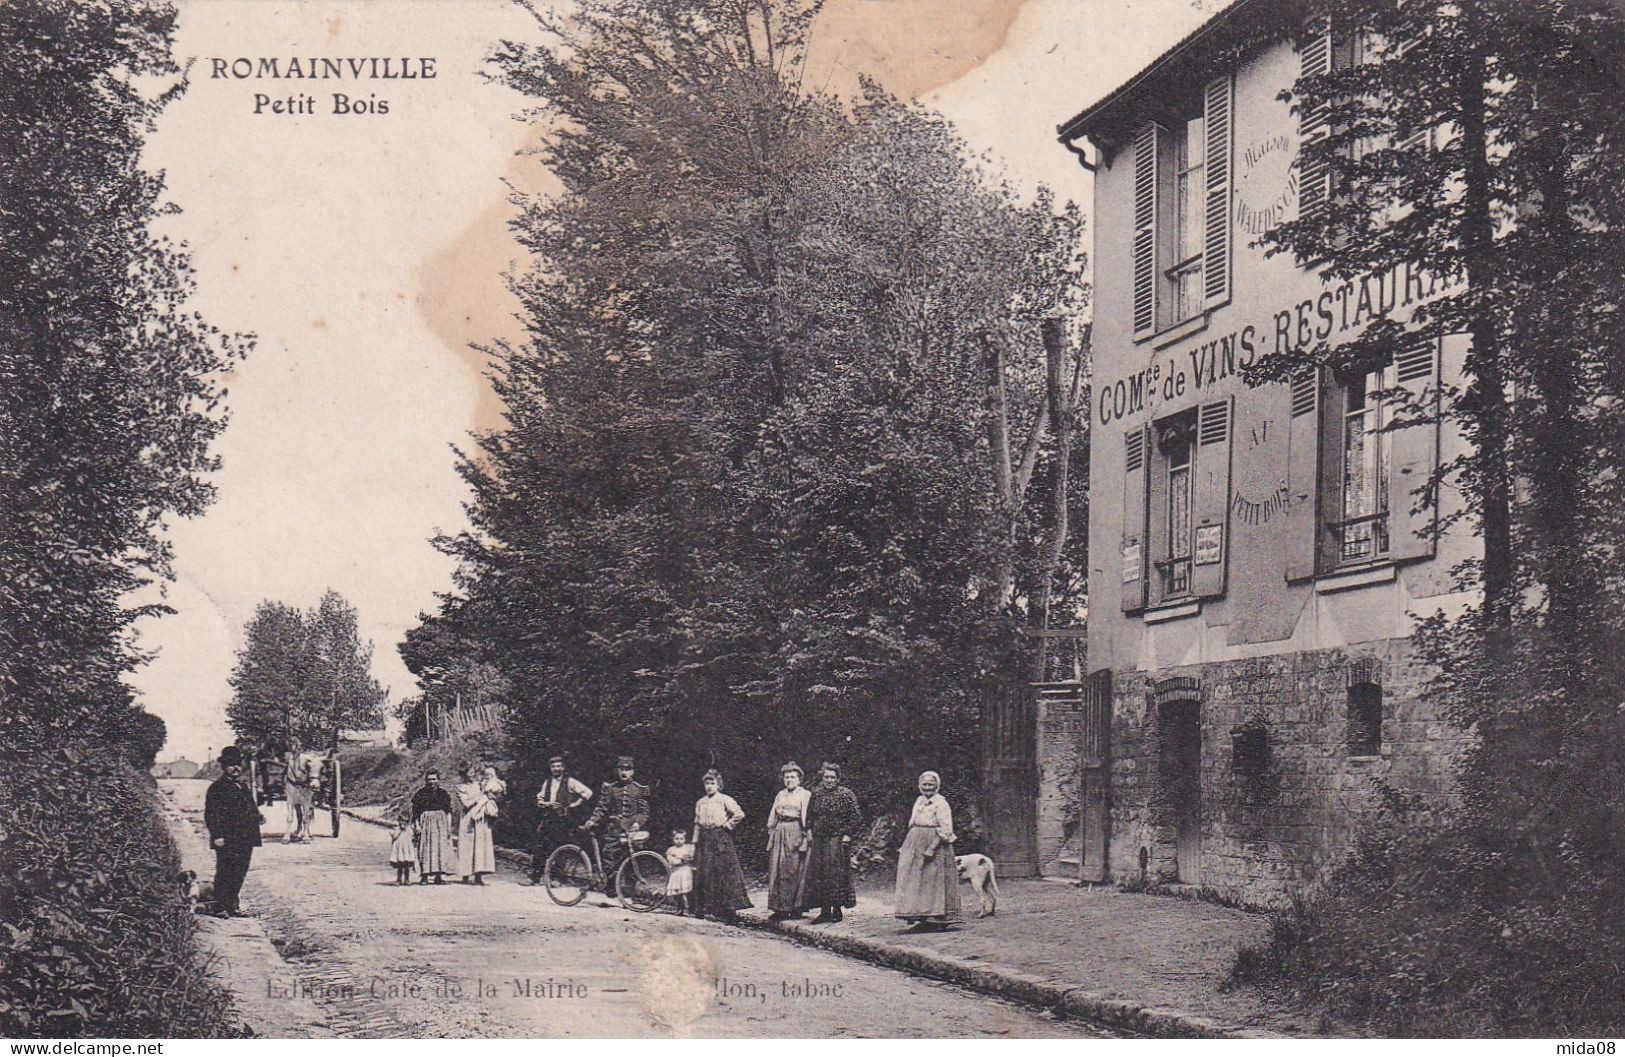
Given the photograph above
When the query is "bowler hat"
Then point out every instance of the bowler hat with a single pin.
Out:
(231, 756)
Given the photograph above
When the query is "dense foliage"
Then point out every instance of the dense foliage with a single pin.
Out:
(96, 938)
(109, 394)
(1486, 140)
(303, 674)
(749, 505)
(109, 401)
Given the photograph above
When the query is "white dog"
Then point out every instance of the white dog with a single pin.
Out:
(979, 871)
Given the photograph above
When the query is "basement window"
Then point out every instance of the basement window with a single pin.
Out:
(1365, 719)
(1250, 749)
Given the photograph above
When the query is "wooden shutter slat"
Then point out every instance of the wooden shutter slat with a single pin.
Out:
(1136, 460)
(1314, 175)
(1146, 148)
(1218, 122)
(1301, 529)
(1210, 503)
(1413, 453)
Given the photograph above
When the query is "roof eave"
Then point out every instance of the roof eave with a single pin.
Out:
(1216, 32)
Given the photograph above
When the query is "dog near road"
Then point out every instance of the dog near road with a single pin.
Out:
(983, 878)
(198, 894)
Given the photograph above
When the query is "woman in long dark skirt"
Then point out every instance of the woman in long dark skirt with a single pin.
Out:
(719, 883)
(833, 819)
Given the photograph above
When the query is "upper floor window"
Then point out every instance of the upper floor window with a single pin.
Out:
(1176, 442)
(1182, 223)
(1362, 528)
(1176, 507)
(1361, 455)
(1183, 277)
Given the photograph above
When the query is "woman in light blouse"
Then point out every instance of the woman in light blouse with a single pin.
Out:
(787, 845)
(927, 879)
(719, 883)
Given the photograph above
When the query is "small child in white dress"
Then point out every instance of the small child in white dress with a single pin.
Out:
(403, 851)
(680, 857)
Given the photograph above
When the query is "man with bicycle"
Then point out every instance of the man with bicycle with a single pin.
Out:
(623, 808)
(559, 796)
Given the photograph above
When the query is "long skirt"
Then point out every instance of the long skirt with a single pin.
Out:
(829, 875)
(476, 853)
(927, 879)
(786, 866)
(719, 883)
(434, 843)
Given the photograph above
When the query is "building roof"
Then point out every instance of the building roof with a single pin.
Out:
(1179, 65)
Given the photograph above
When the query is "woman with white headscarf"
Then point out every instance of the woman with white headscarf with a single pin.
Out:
(927, 879)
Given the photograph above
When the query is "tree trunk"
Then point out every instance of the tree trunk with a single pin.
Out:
(1485, 400)
(1061, 401)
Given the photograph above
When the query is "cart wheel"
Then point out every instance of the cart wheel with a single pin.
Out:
(569, 875)
(641, 881)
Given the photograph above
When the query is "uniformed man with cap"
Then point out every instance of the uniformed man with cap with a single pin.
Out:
(233, 821)
(623, 807)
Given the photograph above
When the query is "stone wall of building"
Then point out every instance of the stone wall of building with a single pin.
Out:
(1268, 834)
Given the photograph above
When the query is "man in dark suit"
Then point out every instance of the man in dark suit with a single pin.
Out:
(623, 807)
(233, 820)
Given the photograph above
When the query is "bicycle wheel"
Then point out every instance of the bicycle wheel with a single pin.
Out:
(569, 875)
(641, 881)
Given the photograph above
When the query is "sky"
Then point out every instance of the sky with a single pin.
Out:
(366, 253)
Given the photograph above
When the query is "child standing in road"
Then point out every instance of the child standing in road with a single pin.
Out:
(403, 852)
(679, 857)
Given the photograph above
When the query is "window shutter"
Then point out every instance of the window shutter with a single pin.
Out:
(1314, 176)
(1301, 531)
(1136, 464)
(1146, 148)
(1218, 120)
(1413, 454)
(1210, 505)
(1334, 400)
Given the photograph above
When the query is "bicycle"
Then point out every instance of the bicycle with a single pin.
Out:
(640, 880)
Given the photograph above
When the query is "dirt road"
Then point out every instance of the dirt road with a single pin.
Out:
(504, 961)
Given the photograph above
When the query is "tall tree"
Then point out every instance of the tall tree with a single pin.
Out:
(744, 505)
(109, 386)
(303, 674)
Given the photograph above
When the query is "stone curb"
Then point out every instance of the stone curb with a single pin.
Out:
(1023, 988)
(1015, 986)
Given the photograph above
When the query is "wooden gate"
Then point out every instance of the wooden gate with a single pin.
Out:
(1010, 778)
(1179, 731)
(1094, 773)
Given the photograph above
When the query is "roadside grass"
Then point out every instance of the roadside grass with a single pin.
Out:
(96, 937)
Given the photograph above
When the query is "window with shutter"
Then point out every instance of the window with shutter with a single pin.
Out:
(1301, 532)
(1135, 456)
(1314, 176)
(1211, 502)
(1171, 533)
(1218, 107)
(1413, 455)
(1145, 229)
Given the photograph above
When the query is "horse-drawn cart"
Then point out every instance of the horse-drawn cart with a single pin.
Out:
(268, 778)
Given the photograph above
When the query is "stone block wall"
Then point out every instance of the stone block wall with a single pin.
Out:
(1277, 831)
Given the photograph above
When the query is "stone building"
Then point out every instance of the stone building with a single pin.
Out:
(177, 768)
(1259, 555)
